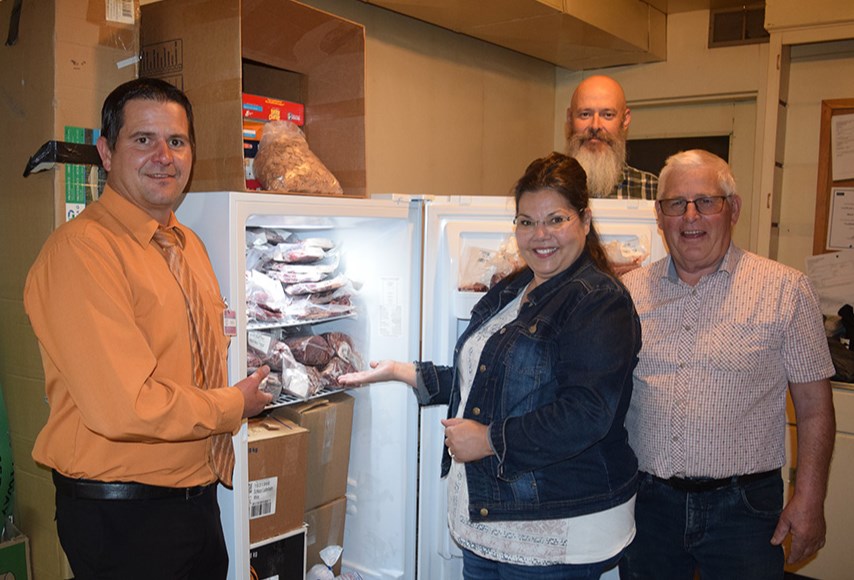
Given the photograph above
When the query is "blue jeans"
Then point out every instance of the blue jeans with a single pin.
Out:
(478, 568)
(724, 533)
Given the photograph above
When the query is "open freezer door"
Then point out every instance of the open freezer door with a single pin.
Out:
(465, 241)
(460, 233)
(379, 245)
(628, 230)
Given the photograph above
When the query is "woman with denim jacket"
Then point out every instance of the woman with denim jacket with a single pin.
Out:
(541, 476)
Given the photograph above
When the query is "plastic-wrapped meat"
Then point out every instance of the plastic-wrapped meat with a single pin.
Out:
(310, 350)
(343, 346)
(315, 380)
(340, 296)
(293, 277)
(268, 350)
(280, 356)
(323, 243)
(326, 311)
(336, 367)
(295, 380)
(272, 384)
(298, 253)
(293, 273)
(262, 313)
(279, 236)
(253, 361)
(255, 237)
(316, 287)
(265, 297)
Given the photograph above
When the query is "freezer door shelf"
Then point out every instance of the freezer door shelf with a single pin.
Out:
(287, 399)
(300, 322)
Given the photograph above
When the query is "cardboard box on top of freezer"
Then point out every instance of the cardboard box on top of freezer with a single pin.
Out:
(218, 49)
(277, 461)
(329, 421)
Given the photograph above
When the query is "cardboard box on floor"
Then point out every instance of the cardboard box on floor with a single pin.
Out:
(329, 421)
(217, 49)
(325, 528)
(277, 461)
(15, 559)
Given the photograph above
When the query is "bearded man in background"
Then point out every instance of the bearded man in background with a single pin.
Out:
(597, 126)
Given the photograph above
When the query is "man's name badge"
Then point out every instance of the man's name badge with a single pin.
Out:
(229, 322)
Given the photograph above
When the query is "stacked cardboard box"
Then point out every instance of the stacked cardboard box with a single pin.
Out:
(277, 462)
(329, 421)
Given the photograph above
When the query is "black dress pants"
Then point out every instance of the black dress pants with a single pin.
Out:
(168, 538)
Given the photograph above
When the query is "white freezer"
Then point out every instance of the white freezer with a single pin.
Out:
(453, 224)
(406, 251)
(383, 252)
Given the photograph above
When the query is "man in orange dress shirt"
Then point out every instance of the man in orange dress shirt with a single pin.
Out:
(128, 435)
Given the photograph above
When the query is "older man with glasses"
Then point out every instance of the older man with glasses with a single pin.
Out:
(725, 334)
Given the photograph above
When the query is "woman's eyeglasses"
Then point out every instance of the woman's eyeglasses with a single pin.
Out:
(552, 223)
(706, 205)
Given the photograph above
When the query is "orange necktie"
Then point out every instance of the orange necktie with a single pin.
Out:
(207, 372)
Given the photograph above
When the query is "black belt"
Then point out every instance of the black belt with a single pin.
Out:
(698, 484)
(91, 489)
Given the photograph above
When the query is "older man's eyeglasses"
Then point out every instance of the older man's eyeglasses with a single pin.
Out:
(552, 223)
(705, 205)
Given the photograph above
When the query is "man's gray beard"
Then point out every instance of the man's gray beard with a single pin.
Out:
(604, 169)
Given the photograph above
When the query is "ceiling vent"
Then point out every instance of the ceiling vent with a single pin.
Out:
(735, 26)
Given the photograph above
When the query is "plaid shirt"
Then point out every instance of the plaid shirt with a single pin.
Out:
(636, 184)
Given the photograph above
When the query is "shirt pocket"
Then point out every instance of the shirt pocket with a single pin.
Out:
(740, 347)
(528, 367)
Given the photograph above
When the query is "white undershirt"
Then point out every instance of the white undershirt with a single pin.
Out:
(577, 540)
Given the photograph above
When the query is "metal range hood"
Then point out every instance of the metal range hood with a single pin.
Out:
(573, 34)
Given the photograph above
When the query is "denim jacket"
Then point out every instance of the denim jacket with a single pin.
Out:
(553, 386)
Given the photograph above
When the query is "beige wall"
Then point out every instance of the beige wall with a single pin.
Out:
(26, 218)
(447, 114)
(697, 91)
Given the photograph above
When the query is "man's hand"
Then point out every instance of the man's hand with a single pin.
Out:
(806, 524)
(254, 400)
(803, 517)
